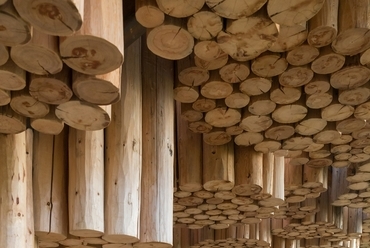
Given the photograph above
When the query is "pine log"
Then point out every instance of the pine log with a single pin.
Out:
(284, 95)
(12, 77)
(237, 99)
(328, 61)
(148, 14)
(302, 55)
(218, 167)
(123, 157)
(234, 130)
(100, 89)
(15, 31)
(39, 56)
(255, 85)
(50, 186)
(189, 74)
(204, 25)
(54, 18)
(323, 26)
(216, 88)
(353, 28)
(289, 113)
(268, 174)
(267, 146)
(235, 9)
(246, 38)
(328, 134)
(14, 191)
(296, 76)
(269, 64)
(51, 89)
(4, 54)
(24, 104)
(289, 37)
(95, 49)
(189, 114)
(84, 116)
(254, 123)
(234, 72)
(189, 156)
(261, 105)
(5, 97)
(49, 124)
(223, 116)
(11, 122)
(157, 171)
(293, 12)
(248, 139)
(278, 184)
(292, 182)
(297, 143)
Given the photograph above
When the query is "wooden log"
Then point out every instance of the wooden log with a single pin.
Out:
(267, 146)
(284, 95)
(54, 18)
(84, 116)
(293, 13)
(215, 87)
(157, 170)
(205, 24)
(353, 36)
(235, 72)
(269, 64)
(297, 143)
(4, 54)
(189, 156)
(261, 105)
(49, 124)
(319, 100)
(181, 8)
(249, 165)
(122, 161)
(279, 132)
(15, 31)
(323, 26)
(148, 14)
(289, 37)
(14, 191)
(39, 56)
(217, 63)
(328, 61)
(86, 183)
(24, 104)
(50, 186)
(254, 123)
(185, 94)
(5, 97)
(235, 10)
(200, 127)
(11, 122)
(95, 49)
(302, 55)
(208, 50)
(100, 89)
(289, 113)
(12, 77)
(350, 125)
(223, 116)
(268, 174)
(255, 85)
(246, 38)
(237, 99)
(189, 114)
(336, 111)
(362, 111)
(248, 139)
(218, 167)
(189, 74)
(354, 96)
(296, 76)
(51, 89)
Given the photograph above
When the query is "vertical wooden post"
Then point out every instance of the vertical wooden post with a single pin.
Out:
(156, 221)
(30, 227)
(123, 139)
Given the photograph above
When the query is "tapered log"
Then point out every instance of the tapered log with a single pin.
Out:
(148, 14)
(293, 13)
(189, 74)
(24, 104)
(40, 55)
(302, 55)
(100, 89)
(12, 77)
(84, 116)
(158, 152)
(323, 26)
(204, 25)
(218, 167)
(255, 85)
(296, 76)
(11, 122)
(249, 165)
(235, 9)
(4, 54)
(15, 31)
(51, 89)
(49, 124)
(55, 18)
(189, 156)
(50, 186)
(269, 64)
(246, 38)
(14, 190)
(289, 37)
(5, 97)
(123, 157)
(86, 183)
(353, 27)
(96, 48)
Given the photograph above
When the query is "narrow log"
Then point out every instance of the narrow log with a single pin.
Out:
(269, 64)
(4, 54)
(49, 124)
(323, 26)
(123, 157)
(218, 167)
(86, 183)
(50, 186)
(278, 181)
(292, 182)
(302, 55)
(12, 77)
(54, 18)
(30, 226)
(354, 222)
(204, 25)
(40, 55)
(51, 89)
(100, 89)
(289, 37)
(148, 14)
(95, 49)
(235, 10)
(24, 104)
(11, 122)
(16, 31)
(268, 174)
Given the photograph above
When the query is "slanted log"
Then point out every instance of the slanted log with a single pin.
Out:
(148, 14)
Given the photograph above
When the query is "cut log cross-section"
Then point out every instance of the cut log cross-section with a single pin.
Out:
(204, 25)
(10, 121)
(232, 9)
(148, 14)
(48, 124)
(12, 77)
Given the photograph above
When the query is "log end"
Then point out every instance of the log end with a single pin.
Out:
(120, 238)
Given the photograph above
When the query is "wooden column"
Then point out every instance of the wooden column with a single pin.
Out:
(123, 139)
(158, 152)
(86, 183)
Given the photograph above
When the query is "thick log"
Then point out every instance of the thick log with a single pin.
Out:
(289, 113)
(12, 77)
(289, 37)
(51, 89)
(123, 157)
(351, 76)
(40, 55)
(336, 111)
(4, 54)
(157, 170)
(319, 100)
(200, 127)
(218, 167)
(269, 64)
(261, 105)
(185, 94)
(279, 132)
(50, 186)
(354, 96)
(148, 14)
(180, 9)
(235, 9)
(268, 174)
(49, 124)
(319, 84)
(237, 99)
(248, 138)
(54, 18)
(204, 25)
(86, 183)
(189, 114)
(217, 136)
(24, 104)
(95, 48)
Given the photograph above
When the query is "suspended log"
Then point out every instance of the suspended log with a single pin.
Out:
(39, 56)
(24, 104)
(235, 9)
(95, 49)
(123, 157)
(12, 77)
(148, 14)
(319, 100)
(185, 94)
(354, 96)
(351, 76)
(279, 132)
(289, 37)
(15, 31)
(336, 111)
(11, 122)
(217, 63)
(49, 124)
(54, 18)
(261, 105)
(204, 25)
(208, 50)
(200, 127)
(289, 113)
(4, 54)
(269, 64)
(189, 114)
(319, 84)
(31, 240)
(50, 186)
(248, 139)
(51, 89)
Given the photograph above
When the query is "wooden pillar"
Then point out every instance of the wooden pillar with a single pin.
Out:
(123, 139)
(156, 223)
